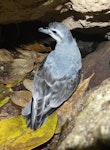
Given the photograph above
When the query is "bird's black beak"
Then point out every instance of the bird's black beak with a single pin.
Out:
(44, 30)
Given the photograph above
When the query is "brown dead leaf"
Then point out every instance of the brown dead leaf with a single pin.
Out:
(9, 111)
(28, 84)
(27, 54)
(5, 56)
(38, 47)
(21, 98)
(4, 92)
(16, 83)
(12, 71)
(82, 87)
(40, 58)
(15, 70)
(22, 66)
(74, 105)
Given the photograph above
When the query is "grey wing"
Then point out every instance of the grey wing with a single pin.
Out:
(40, 91)
(54, 95)
(34, 111)
(26, 112)
(63, 89)
(27, 109)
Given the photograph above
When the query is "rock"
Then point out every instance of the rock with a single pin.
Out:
(26, 10)
(92, 124)
(97, 62)
(88, 14)
(87, 47)
(75, 14)
(90, 5)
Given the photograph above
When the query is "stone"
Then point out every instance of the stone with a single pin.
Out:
(98, 63)
(92, 124)
(76, 14)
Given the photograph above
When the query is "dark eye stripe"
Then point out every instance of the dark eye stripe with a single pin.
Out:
(54, 31)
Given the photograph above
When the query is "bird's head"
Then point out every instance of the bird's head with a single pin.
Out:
(57, 30)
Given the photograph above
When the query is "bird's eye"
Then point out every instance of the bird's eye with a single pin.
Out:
(54, 31)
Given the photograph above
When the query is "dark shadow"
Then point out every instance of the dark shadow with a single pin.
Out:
(13, 35)
(99, 145)
(16, 35)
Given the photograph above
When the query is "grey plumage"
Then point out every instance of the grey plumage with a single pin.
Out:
(57, 77)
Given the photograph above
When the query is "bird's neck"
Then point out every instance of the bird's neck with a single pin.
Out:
(65, 45)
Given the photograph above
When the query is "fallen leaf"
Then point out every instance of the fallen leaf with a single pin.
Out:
(10, 85)
(12, 71)
(37, 47)
(82, 87)
(9, 111)
(5, 56)
(21, 98)
(15, 135)
(20, 67)
(40, 58)
(4, 101)
(4, 91)
(28, 84)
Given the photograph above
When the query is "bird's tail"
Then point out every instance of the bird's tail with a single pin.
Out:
(36, 113)
(26, 112)
(37, 109)
(33, 113)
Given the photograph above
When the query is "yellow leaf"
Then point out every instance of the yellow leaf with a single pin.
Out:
(15, 135)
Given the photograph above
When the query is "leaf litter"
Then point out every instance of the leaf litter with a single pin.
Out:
(14, 73)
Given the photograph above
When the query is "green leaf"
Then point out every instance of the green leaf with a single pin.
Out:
(15, 135)
(4, 101)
